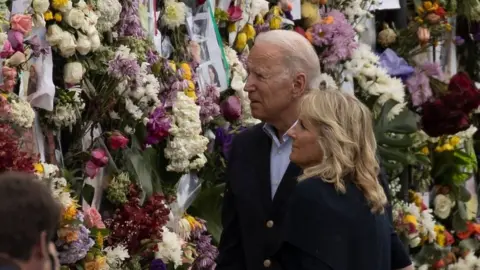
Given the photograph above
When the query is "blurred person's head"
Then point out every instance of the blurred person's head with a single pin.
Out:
(30, 216)
(334, 140)
(281, 66)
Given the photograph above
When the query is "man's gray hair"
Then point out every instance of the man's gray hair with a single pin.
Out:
(300, 56)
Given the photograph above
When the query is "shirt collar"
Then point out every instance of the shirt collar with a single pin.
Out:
(272, 132)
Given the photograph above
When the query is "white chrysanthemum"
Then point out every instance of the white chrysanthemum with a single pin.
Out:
(468, 263)
(145, 94)
(49, 170)
(22, 113)
(170, 249)
(108, 14)
(174, 14)
(186, 149)
(116, 255)
(327, 82)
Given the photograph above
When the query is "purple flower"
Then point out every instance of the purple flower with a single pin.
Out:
(231, 108)
(395, 65)
(70, 253)
(208, 102)
(337, 39)
(459, 41)
(129, 24)
(158, 264)
(206, 251)
(16, 39)
(120, 67)
(224, 138)
(419, 87)
(34, 44)
(157, 126)
(152, 57)
(432, 70)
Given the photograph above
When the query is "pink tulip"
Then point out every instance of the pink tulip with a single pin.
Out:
(91, 169)
(99, 157)
(231, 108)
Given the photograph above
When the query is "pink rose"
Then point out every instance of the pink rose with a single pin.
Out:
(7, 49)
(8, 85)
(231, 108)
(93, 219)
(117, 141)
(16, 40)
(9, 73)
(91, 169)
(22, 23)
(99, 157)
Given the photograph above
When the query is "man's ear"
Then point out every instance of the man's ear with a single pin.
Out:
(40, 250)
(299, 85)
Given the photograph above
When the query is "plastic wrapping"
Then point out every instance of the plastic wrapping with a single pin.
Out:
(188, 188)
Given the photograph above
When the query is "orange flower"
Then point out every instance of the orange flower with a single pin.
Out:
(328, 20)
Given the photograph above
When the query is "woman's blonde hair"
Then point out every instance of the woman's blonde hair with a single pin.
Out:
(346, 136)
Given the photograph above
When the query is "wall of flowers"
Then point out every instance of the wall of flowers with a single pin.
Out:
(127, 109)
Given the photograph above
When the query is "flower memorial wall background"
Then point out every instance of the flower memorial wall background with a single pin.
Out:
(139, 139)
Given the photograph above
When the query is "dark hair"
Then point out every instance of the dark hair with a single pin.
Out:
(215, 79)
(27, 208)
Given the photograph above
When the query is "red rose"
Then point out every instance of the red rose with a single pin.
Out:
(117, 141)
(462, 93)
(440, 12)
(449, 238)
(452, 121)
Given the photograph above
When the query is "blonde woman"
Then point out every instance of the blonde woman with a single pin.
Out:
(337, 216)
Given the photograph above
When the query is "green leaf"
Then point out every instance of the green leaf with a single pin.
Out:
(463, 194)
(208, 206)
(469, 244)
(88, 191)
(462, 210)
(139, 168)
(458, 223)
(79, 267)
(95, 231)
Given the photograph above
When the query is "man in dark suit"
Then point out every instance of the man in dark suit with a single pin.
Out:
(282, 65)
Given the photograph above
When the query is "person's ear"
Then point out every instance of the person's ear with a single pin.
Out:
(40, 250)
(299, 85)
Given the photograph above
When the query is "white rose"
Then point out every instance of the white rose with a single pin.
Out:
(89, 29)
(443, 206)
(95, 42)
(75, 18)
(83, 44)
(67, 7)
(67, 45)
(81, 4)
(73, 73)
(40, 6)
(54, 34)
(91, 16)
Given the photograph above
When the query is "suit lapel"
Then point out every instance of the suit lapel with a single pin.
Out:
(262, 154)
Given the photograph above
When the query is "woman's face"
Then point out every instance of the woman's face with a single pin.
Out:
(306, 151)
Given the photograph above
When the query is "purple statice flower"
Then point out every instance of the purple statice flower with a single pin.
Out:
(207, 252)
(157, 126)
(120, 67)
(208, 102)
(152, 57)
(433, 70)
(336, 39)
(419, 87)
(158, 264)
(129, 24)
(70, 253)
(169, 95)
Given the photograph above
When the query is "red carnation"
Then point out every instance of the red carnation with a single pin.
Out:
(462, 93)
(440, 12)
(438, 119)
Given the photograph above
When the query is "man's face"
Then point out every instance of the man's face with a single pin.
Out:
(269, 85)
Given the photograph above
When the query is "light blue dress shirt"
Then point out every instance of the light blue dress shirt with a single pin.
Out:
(279, 156)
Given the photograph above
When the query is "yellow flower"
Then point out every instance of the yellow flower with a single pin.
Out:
(5, 95)
(90, 266)
(425, 150)
(410, 219)
(232, 27)
(259, 20)
(99, 240)
(191, 86)
(419, 20)
(172, 66)
(58, 4)
(447, 147)
(275, 22)
(241, 42)
(101, 262)
(438, 228)
(439, 149)
(454, 140)
(191, 94)
(70, 212)
(38, 168)
(48, 15)
(276, 11)
(420, 10)
(187, 72)
(427, 5)
(448, 27)
(193, 222)
(250, 31)
(441, 239)
(58, 17)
